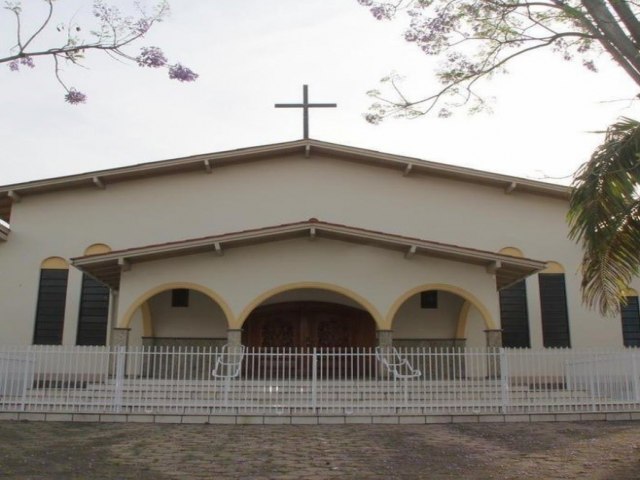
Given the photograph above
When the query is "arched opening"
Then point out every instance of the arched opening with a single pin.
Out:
(177, 315)
(439, 316)
(309, 317)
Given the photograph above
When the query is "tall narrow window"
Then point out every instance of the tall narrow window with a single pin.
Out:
(630, 314)
(94, 313)
(553, 309)
(514, 317)
(52, 294)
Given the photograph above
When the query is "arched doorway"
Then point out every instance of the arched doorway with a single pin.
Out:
(309, 318)
(439, 315)
(177, 315)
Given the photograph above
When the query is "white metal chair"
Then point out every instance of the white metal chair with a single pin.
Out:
(397, 365)
(229, 362)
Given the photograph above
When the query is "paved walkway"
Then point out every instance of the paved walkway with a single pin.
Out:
(588, 450)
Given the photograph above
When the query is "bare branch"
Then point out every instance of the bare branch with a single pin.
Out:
(42, 27)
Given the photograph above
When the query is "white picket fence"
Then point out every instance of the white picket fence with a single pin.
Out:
(235, 380)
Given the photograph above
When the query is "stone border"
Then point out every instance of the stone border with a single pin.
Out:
(316, 419)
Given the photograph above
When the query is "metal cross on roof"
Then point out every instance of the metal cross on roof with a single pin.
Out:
(305, 105)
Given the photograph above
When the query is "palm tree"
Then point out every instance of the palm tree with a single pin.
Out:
(604, 216)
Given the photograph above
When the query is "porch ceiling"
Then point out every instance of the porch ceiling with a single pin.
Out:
(107, 267)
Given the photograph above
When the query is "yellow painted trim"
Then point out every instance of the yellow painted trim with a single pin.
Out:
(490, 324)
(125, 320)
(630, 292)
(463, 316)
(55, 263)
(147, 323)
(553, 267)
(309, 285)
(513, 251)
(97, 248)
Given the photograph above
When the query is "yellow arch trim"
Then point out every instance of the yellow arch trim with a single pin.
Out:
(363, 302)
(125, 320)
(97, 248)
(630, 292)
(553, 267)
(55, 263)
(147, 324)
(513, 251)
(463, 316)
(468, 296)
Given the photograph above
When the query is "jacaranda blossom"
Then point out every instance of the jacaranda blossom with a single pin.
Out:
(181, 73)
(74, 97)
(151, 57)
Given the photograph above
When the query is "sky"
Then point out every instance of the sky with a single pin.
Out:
(251, 54)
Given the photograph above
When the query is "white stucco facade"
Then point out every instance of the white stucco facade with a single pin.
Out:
(279, 189)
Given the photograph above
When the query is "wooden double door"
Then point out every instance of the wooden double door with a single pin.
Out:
(308, 325)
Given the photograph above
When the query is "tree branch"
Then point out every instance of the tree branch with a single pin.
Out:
(42, 27)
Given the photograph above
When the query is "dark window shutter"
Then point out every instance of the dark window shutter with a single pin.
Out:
(553, 308)
(630, 314)
(429, 299)
(180, 297)
(52, 296)
(94, 313)
(514, 317)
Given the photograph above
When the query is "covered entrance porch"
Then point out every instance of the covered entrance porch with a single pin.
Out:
(309, 284)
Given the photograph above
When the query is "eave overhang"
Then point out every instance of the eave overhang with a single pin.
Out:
(107, 267)
(207, 163)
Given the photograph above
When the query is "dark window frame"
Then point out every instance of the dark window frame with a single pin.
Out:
(180, 298)
(429, 299)
(630, 319)
(514, 316)
(554, 311)
(93, 312)
(51, 304)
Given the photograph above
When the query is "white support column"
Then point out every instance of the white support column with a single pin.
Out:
(120, 337)
(385, 338)
(234, 337)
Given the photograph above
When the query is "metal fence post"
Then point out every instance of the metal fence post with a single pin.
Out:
(121, 356)
(26, 377)
(635, 371)
(504, 380)
(314, 380)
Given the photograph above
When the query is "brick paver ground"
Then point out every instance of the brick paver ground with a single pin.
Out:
(589, 450)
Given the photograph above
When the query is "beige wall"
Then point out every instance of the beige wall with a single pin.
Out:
(412, 321)
(290, 189)
(202, 318)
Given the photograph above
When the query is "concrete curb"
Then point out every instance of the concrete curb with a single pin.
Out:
(328, 419)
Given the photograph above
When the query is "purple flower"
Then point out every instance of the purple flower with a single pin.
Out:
(14, 65)
(373, 118)
(74, 97)
(143, 26)
(182, 74)
(151, 57)
(28, 61)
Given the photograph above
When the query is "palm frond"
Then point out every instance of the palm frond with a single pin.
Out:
(604, 216)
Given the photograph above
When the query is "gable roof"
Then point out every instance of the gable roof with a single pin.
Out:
(309, 147)
(107, 267)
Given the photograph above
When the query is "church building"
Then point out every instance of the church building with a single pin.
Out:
(297, 244)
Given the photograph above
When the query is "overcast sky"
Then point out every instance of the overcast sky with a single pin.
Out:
(251, 54)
